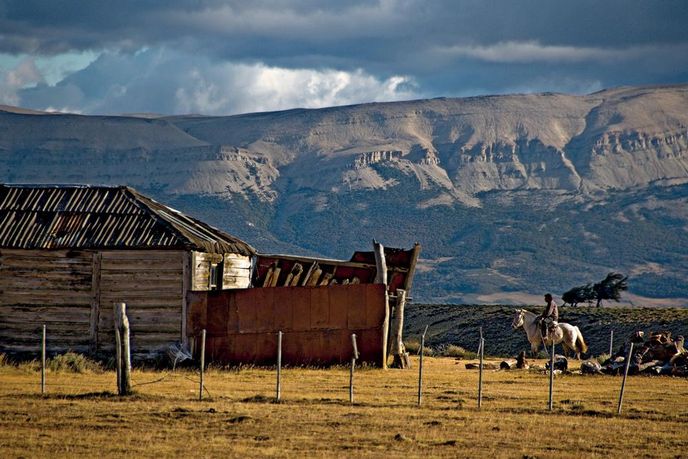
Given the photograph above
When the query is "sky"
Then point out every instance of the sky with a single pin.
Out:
(226, 57)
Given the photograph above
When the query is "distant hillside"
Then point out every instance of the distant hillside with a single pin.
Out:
(460, 325)
(510, 196)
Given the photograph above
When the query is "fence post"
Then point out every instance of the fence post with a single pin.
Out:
(354, 356)
(623, 383)
(611, 343)
(118, 358)
(420, 367)
(123, 353)
(551, 378)
(126, 353)
(43, 361)
(278, 394)
(200, 389)
(481, 354)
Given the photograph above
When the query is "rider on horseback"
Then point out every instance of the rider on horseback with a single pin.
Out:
(550, 316)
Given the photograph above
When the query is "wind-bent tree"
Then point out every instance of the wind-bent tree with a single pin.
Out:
(610, 287)
(581, 294)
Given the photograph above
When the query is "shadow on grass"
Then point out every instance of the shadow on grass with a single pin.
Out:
(101, 395)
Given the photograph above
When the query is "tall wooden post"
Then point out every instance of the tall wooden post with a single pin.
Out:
(420, 367)
(278, 395)
(354, 356)
(123, 349)
(611, 344)
(398, 350)
(43, 361)
(481, 354)
(200, 389)
(623, 383)
(551, 379)
(118, 357)
(381, 278)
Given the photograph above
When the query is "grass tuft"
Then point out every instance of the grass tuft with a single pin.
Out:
(71, 362)
(413, 347)
(452, 350)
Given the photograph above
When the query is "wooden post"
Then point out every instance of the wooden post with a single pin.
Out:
(123, 349)
(551, 378)
(380, 263)
(126, 353)
(481, 354)
(611, 344)
(43, 362)
(118, 358)
(397, 349)
(278, 395)
(200, 389)
(381, 278)
(354, 356)
(412, 267)
(420, 367)
(623, 383)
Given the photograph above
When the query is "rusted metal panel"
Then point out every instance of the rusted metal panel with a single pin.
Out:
(320, 308)
(317, 323)
(356, 311)
(302, 309)
(283, 308)
(339, 306)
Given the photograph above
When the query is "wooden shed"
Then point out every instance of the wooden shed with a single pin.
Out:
(68, 253)
(316, 303)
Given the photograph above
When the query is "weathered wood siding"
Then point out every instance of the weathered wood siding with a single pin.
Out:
(236, 270)
(52, 287)
(73, 293)
(151, 284)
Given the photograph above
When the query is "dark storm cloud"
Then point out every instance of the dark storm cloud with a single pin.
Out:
(452, 47)
(354, 32)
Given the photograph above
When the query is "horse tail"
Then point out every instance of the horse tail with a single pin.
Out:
(580, 342)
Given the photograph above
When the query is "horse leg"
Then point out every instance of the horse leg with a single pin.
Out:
(534, 349)
(565, 347)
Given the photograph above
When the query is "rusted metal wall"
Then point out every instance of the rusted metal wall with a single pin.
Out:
(317, 323)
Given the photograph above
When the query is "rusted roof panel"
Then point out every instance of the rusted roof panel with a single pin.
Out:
(100, 217)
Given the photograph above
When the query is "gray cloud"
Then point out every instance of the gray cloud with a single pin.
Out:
(444, 47)
(167, 81)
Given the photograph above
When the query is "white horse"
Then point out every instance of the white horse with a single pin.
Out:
(569, 335)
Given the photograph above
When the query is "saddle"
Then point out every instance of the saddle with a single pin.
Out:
(547, 327)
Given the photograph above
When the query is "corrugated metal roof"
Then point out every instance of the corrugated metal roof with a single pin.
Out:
(100, 217)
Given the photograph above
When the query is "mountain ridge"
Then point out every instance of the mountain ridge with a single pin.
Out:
(325, 181)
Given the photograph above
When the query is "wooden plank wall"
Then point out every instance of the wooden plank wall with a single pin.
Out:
(150, 283)
(52, 287)
(317, 322)
(236, 270)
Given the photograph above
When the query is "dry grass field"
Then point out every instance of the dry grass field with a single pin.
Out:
(81, 417)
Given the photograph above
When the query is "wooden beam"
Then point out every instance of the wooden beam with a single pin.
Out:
(398, 351)
(186, 287)
(95, 301)
(330, 262)
(412, 267)
(380, 263)
(381, 278)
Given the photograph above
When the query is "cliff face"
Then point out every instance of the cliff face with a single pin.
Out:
(270, 174)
